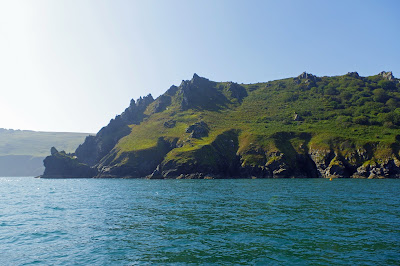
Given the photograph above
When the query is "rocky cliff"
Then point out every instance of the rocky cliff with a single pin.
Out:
(307, 126)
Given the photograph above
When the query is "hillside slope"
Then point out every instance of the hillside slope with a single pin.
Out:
(22, 151)
(307, 126)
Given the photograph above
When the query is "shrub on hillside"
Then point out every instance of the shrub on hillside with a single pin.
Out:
(361, 120)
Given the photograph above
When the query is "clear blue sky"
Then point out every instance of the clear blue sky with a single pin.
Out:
(73, 65)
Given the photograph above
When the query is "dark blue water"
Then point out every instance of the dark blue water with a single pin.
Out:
(256, 222)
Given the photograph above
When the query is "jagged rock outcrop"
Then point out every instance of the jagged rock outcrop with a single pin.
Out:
(321, 159)
(87, 155)
(353, 75)
(161, 103)
(389, 168)
(96, 147)
(236, 91)
(53, 151)
(306, 79)
(62, 165)
(189, 89)
(198, 130)
(337, 168)
(277, 167)
(356, 164)
(307, 76)
(170, 124)
(200, 93)
(387, 75)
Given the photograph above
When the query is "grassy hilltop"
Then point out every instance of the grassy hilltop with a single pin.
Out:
(306, 126)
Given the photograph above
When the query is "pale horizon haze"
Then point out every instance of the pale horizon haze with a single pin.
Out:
(71, 66)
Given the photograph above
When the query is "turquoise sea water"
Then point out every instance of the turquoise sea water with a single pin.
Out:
(212, 222)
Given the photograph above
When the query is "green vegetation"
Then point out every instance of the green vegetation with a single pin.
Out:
(308, 126)
(328, 110)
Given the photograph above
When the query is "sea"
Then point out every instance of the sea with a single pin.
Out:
(199, 222)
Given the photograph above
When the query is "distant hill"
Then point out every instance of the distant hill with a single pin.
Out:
(304, 126)
(22, 151)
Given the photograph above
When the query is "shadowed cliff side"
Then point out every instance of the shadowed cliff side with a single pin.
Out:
(96, 147)
(82, 163)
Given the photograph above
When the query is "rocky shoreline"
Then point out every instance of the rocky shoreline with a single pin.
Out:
(317, 164)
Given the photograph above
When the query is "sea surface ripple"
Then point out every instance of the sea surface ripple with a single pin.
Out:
(192, 222)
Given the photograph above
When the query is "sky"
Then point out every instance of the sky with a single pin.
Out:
(72, 65)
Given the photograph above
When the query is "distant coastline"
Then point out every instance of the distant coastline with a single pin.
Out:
(22, 151)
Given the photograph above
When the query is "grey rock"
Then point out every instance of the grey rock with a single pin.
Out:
(306, 75)
(321, 159)
(353, 74)
(53, 151)
(161, 103)
(62, 165)
(336, 171)
(387, 169)
(172, 90)
(296, 117)
(198, 130)
(236, 91)
(361, 172)
(156, 174)
(387, 75)
(281, 173)
(170, 124)
(306, 78)
(200, 93)
(96, 147)
(190, 90)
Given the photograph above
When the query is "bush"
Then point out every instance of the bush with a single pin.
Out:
(332, 104)
(345, 95)
(386, 85)
(392, 103)
(375, 122)
(393, 118)
(331, 91)
(372, 107)
(380, 95)
(343, 119)
(290, 97)
(304, 113)
(388, 125)
(361, 120)
(362, 100)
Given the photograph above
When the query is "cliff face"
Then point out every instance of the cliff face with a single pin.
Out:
(83, 163)
(96, 147)
(306, 126)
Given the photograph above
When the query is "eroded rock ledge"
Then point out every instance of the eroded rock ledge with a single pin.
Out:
(222, 159)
